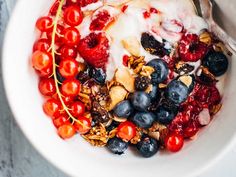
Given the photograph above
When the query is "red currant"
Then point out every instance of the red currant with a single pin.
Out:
(70, 87)
(68, 51)
(58, 36)
(66, 131)
(190, 130)
(68, 68)
(72, 2)
(126, 130)
(71, 36)
(52, 107)
(41, 45)
(77, 109)
(68, 99)
(44, 24)
(85, 127)
(61, 120)
(174, 142)
(41, 60)
(47, 87)
(73, 15)
(46, 73)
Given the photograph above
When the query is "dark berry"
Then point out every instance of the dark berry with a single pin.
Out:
(142, 82)
(216, 62)
(143, 119)
(188, 80)
(117, 145)
(161, 70)
(98, 75)
(153, 46)
(148, 146)
(155, 94)
(140, 101)
(177, 92)
(165, 115)
(83, 76)
(123, 109)
(112, 126)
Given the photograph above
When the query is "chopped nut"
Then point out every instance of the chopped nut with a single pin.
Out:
(162, 85)
(115, 2)
(124, 77)
(118, 119)
(117, 94)
(147, 71)
(137, 137)
(132, 45)
(205, 37)
(155, 135)
(215, 109)
(112, 133)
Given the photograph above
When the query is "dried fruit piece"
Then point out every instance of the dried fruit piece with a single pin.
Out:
(125, 78)
(132, 45)
(205, 37)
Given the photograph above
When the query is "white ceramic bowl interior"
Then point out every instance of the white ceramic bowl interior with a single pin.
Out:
(75, 156)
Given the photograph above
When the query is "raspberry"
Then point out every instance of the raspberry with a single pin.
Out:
(100, 21)
(191, 49)
(94, 49)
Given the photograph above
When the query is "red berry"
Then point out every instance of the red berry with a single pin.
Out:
(72, 2)
(154, 10)
(125, 60)
(41, 45)
(100, 21)
(70, 87)
(54, 8)
(71, 36)
(94, 49)
(59, 33)
(52, 107)
(47, 87)
(68, 51)
(191, 49)
(46, 73)
(68, 68)
(82, 129)
(174, 142)
(41, 60)
(44, 24)
(61, 120)
(68, 99)
(77, 109)
(66, 131)
(124, 8)
(126, 130)
(73, 15)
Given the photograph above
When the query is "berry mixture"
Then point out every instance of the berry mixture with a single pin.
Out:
(128, 73)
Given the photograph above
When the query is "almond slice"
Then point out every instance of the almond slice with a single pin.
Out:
(125, 78)
(132, 45)
(117, 94)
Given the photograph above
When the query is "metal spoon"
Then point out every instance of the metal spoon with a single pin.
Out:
(204, 9)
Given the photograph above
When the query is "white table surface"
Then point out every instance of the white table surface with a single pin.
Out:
(19, 159)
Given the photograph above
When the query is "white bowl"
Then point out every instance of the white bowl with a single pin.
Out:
(76, 157)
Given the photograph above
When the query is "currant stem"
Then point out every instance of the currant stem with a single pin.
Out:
(53, 52)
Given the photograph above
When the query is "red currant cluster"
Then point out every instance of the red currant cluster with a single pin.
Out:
(54, 57)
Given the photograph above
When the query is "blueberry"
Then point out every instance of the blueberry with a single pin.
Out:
(117, 145)
(161, 70)
(177, 92)
(112, 126)
(155, 94)
(98, 75)
(216, 62)
(123, 109)
(143, 119)
(140, 101)
(151, 45)
(148, 146)
(83, 76)
(188, 80)
(165, 115)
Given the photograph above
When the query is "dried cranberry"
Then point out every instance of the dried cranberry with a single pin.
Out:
(100, 21)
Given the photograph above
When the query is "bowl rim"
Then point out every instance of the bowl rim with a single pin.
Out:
(42, 152)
